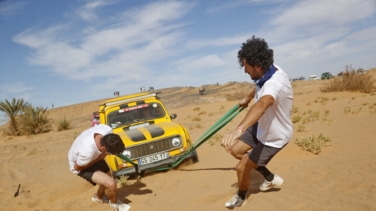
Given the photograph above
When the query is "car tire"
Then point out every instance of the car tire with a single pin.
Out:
(194, 157)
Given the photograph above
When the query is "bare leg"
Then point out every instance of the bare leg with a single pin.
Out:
(240, 149)
(108, 183)
(101, 191)
(243, 171)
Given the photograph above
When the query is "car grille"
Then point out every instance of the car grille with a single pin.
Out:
(152, 147)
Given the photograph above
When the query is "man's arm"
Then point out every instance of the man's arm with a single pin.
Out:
(256, 111)
(100, 157)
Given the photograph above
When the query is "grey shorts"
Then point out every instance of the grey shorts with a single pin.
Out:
(260, 153)
(88, 173)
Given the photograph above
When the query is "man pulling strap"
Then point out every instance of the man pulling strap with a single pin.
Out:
(267, 127)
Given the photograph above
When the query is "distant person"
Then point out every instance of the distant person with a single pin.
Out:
(266, 128)
(95, 119)
(86, 159)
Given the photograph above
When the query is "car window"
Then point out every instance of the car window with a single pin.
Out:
(135, 114)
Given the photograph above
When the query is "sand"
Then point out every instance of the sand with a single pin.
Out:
(341, 177)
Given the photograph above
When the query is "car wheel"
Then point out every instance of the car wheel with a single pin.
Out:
(194, 157)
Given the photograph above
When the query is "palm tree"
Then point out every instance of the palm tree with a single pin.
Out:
(12, 110)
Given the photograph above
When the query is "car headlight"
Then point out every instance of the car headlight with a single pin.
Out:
(176, 142)
(127, 153)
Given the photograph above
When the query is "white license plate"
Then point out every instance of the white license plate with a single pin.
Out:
(152, 158)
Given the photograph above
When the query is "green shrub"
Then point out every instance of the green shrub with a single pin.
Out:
(312, 116)
(196, 119)
(294, 109)
(63, 124)
(301, 128)
(296, 118)
(350, 81)
(34, 120)
(202, 113)
(122, 180)
(313, 144)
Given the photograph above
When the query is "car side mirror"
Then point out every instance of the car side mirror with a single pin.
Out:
(173, 116)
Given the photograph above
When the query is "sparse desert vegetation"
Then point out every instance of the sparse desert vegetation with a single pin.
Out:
(351, 81)
(313, 143)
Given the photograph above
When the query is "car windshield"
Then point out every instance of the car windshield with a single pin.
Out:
(135, 114)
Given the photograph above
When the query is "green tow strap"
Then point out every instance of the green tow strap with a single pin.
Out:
(231, 114)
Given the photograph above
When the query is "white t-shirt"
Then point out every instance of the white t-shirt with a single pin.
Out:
(275, 127)
(84, 150)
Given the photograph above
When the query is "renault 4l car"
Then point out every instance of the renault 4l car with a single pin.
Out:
(151, 138)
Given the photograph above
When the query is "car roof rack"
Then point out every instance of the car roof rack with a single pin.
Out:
(137, 97)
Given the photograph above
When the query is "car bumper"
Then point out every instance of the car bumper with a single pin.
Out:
(150, 166)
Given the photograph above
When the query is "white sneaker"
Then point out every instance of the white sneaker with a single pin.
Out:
(235, 201)
(276, 182)
(119, 206)
(95, 198)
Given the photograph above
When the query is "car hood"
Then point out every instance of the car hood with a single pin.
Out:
(145, 132)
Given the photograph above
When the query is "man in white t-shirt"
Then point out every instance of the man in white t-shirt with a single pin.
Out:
(267, 126)
(86, 159)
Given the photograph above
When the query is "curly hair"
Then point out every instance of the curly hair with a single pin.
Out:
(256, 53)
(113, 143)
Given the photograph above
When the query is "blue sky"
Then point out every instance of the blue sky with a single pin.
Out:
(72, 51)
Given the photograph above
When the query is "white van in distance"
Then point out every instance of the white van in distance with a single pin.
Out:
(313, 77)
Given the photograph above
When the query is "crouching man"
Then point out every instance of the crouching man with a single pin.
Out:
(86, 159)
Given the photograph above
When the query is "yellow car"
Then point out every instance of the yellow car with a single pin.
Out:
(152, 140)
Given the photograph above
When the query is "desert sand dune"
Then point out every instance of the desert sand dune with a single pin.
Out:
(341, 177)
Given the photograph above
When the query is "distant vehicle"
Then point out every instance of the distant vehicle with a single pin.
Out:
(326, 75)
(360, 71)
(301, 78)
(313, 77)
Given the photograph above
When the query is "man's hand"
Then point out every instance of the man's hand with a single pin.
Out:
(229, 139)
(245, 101)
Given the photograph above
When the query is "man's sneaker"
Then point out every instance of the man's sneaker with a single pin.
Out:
(95, 198)
(276, 182)
(235, 201)
(119, 206)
